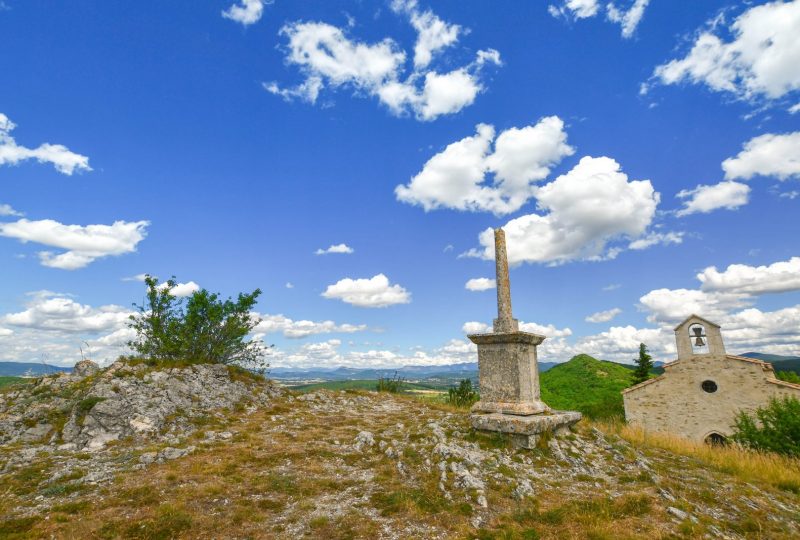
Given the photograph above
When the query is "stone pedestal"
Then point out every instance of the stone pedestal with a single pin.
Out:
(508, 373)
(524, 431)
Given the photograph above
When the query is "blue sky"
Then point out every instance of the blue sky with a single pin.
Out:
(628, 151)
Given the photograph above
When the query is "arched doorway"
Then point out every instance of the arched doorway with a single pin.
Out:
(716, 439)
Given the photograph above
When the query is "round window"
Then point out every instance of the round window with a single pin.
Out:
(709, 386)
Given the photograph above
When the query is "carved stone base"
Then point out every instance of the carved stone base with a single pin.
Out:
(524, 431)
(522, 408)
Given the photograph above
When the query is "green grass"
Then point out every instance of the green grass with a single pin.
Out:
(7, 381)
(588, 385)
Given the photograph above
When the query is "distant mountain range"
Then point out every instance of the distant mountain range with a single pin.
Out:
(779, 362)
(449, 371)
(20, 369)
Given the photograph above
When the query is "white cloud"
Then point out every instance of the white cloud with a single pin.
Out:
(7, 210)
(329, 354)
(705, 199)
(338, 248)
(549, 330)
(47, 310)
(612, 287)
(433, 34)
(373, 292)
(458, 176)
(246, 12)
(180, 290)
(303, 328)
(782, 276)
(794, 109)
(475, 327)
(84, 244)
(579, 9)
(673, 305)
(480, 284)
(59, 156)
(603, 316)
(328, 57)
(289, 285)
(584, 211)
(762, 59)
(621, 343)
(628, 19)
(656, 238)
(137, 277)
(767, 155)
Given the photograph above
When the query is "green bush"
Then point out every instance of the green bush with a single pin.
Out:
(392, 384)
(464, 395)
(202, 329)
(774, 428)
(788, 376)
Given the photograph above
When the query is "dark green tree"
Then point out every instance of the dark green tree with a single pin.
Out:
(644, 363)
(774, 428)
(203, 329)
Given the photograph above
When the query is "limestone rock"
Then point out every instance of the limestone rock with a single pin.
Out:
(84, 368)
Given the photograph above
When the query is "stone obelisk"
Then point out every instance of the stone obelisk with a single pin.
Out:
(508, 371)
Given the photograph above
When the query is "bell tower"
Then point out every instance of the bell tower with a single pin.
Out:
(697, 336)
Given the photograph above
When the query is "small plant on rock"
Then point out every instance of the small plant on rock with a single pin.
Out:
(392, 384)
(464, 395)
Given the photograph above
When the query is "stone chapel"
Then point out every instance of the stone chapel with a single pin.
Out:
(699, 395)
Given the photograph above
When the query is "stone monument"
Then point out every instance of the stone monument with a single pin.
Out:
(508, 372)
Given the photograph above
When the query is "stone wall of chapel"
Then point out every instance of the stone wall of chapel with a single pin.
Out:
(678, 404)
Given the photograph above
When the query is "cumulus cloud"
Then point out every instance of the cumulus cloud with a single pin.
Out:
(328, 57)
(338, 248)
(7, 210)
(303, 328)
(480, 284)
(628, 19)
(433, 34)
(781, 276)
(84, 244)
(673, 305)
(484, 173)
(761, 61)
(47, 310)
(704, 199)
(585, 212)
(59, 156)
(767, 155)
(374, 292)
(621, 343)
(330, 354)
(180, 290)
(246, 12)
(603, 316)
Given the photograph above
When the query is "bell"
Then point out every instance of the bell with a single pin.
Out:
(699, 342)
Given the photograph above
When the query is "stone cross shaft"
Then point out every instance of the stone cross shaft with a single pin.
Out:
(505, 321)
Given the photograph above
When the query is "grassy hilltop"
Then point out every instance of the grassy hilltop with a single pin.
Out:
(588, 385)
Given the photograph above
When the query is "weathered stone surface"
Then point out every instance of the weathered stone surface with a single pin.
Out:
(525, 429)
(676, 402)
(84, 368)
(508, 373)
(505, 321)
(121, 401)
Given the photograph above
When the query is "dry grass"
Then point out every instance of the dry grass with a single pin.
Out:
(748, 465)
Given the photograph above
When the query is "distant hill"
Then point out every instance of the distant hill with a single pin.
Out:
(588, 385)
(438, 376)
(779, 362)
(18, 369)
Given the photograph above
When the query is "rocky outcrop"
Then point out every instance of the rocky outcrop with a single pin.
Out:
(91, 407)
